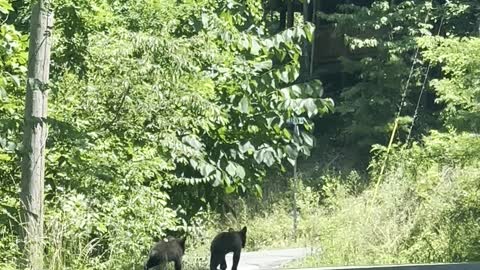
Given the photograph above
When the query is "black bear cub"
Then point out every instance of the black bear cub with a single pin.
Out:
(226, 242)
(166, 251)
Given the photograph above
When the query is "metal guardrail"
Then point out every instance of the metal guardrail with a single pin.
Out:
(439, 266)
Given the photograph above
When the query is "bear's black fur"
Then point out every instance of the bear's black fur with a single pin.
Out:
(166, 251)
(226, 242)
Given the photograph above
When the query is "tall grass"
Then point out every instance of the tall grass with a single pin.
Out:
(426, 209)
(432, 218)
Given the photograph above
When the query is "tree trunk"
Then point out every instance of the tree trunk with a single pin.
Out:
(307, 12)
(283, 20)
(306, 45)
(290, 14)
(478, 26)
(34, 138)
(312, 48)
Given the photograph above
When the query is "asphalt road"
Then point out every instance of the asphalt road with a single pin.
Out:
(267, 259)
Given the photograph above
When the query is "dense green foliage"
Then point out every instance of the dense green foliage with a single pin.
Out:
(12, 70)
(157, 110)
(383, 37)
(165, 115)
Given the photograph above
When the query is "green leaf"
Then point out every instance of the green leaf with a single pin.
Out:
(305, 150)
(264, 65)
(230, 169)
(308, 90)
(246, 148)
(258, 156)
(259, 191)
(222, 132)
(4, 157)
(269, 159)
(309, 29)
(279, 153)
(296, 90)
(255, 48)
(10, 147)
(3, 93)
(308, 140)
(193, 142)
(281, 55)
(310, 107)
(318, 87)
(240, 172)
(5, 7)
(288, 34)
(286, 134)
(329, 104)
(285, 92)
(293, 73)
(278, 39)
(206, 169)
(291, 152)
(284, 76)
(205, 20)
(229, 189)
(102, 228)
(217, 178)
(291, 161)
(193, 163)
(243, 43)
(242, 186)
(244, 105)
(16, 80)
(253, 129)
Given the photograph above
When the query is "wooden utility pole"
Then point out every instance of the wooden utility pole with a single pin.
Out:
(34, 137)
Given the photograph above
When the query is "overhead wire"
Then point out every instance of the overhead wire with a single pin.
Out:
(415, 115)
(401, 105)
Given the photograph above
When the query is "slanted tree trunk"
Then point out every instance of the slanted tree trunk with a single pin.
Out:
(34, 138)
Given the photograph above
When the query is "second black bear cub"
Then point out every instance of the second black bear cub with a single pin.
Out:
(226, 242)
(166, 251)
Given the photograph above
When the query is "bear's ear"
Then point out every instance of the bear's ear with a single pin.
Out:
(230, 230)
(244, 230)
